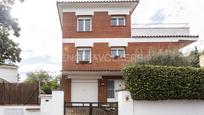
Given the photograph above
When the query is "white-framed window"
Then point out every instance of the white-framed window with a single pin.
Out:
(118, 20)
(117, 52)
(84, 24)
(111, 88)
(83, 55)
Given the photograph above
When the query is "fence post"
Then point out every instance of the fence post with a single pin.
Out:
(64, 108)
(57, 102)
(125, 103)
(116, 109)
(46, 105)
(90, 108)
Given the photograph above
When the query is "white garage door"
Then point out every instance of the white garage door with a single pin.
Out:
(84, 91)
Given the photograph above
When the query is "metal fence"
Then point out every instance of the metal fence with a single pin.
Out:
(19, 94)
(91, 108)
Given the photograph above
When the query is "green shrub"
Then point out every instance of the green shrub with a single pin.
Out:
(147, 82)
(46, 89)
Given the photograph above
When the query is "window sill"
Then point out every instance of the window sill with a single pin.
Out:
(84, 31)
(118, 25)
(83, 62)
(118, 57)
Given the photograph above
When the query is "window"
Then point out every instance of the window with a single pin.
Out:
(83, 55)
(84, 24)
(118, 21)
(111, 91)
(117, 52)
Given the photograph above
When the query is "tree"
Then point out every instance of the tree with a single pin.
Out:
(9, 50)
(166, 59)
(47, 82)
(195, 55)
(38, 76)
(172, 59)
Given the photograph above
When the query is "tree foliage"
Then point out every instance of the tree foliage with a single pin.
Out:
(47, 82)
(38, 76)
(172, 59)
(9, 50)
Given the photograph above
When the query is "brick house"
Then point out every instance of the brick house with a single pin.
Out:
(98, 40)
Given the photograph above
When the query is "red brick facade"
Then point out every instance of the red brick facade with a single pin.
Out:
(66, 86)
(101, 59)
(101, 27)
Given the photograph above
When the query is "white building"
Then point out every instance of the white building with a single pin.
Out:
(9, 73)
(99, 39)
(155, 29)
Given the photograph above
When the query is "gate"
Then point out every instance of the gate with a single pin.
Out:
(19, 94)
(91, 108)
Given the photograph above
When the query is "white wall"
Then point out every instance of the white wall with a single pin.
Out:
(125, 103)
(90, 11)
(50, 105)
(9, 73)
(160, 29)
(18, 110)
(46, 104)
(168, 107)
(81, 42)
(173, 107)
(57, 103)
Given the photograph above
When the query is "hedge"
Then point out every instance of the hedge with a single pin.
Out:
(147, 82)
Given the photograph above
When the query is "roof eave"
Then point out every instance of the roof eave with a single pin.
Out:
(59, 15)
(9, 66)
(92, 72)
(137, 2)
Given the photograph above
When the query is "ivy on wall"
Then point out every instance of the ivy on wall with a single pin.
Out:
(147, 82)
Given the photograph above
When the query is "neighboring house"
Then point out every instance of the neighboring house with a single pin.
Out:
(202, 61)
(9, 73)
(99, 39)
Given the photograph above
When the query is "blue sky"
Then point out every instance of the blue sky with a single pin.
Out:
(40, 38)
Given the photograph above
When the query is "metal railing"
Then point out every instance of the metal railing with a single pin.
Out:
(91, 108)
